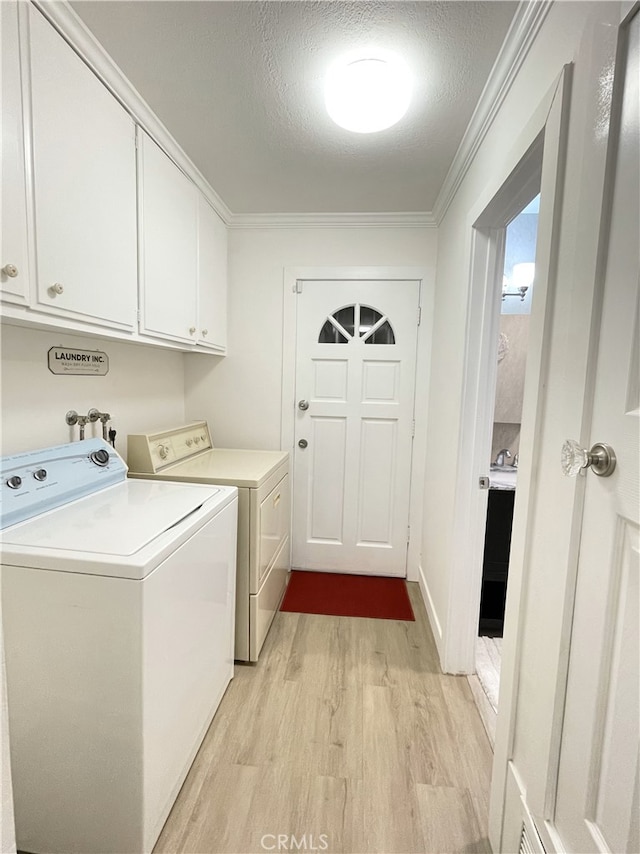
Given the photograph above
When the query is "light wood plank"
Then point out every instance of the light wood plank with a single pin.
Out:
(347, 728)
(449, 821)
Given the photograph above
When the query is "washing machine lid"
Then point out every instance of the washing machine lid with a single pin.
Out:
(117, 522)
(230, 466)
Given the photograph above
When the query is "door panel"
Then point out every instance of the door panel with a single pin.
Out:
(328, 443)
(380, 381)
(14, 249)
(169, 237)
(355, 367)
(330, 379)
(378, 441)
(84, 178)
(596, 807)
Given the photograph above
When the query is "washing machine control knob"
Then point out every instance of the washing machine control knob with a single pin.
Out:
(197, 440)
(189, 443)
(163, 450)
(14, 482)
(40, 474)
(99, 457)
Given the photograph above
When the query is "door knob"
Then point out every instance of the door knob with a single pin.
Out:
(601, 459)
(302, 443)
(303, 405)
(10, 270)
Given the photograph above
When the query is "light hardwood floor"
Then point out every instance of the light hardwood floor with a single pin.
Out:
(346, 727)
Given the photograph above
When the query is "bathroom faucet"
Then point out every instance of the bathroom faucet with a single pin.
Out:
(501, 455)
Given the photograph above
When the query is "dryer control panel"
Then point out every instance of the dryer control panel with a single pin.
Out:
(36, 481)
(149, 453)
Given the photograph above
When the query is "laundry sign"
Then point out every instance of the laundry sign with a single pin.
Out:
(65, 360)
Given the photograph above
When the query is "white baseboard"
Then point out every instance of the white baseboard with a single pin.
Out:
(485, 709)
(434, 622)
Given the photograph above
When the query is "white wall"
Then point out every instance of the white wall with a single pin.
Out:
(240, 395)
(582, 33)
(144, 389)
(7, 824)
(557, 43)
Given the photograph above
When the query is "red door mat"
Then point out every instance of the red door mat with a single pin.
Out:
(347, 596)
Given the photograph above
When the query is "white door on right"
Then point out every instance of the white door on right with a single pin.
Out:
(597, 804)
(355, 386)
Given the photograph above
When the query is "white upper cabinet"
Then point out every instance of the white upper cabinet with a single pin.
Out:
(84, 187)
(14, 253)
(212, 277)
(98, 235)
(168, 223)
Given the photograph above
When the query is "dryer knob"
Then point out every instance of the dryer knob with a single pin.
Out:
(163, 450)
(14, 482)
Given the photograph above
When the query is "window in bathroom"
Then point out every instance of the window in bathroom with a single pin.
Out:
(519, 260)
(372, 326)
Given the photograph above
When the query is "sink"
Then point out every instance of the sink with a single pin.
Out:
(503, 468)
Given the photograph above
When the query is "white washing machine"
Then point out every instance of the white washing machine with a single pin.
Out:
(186, 454)
(118, 617)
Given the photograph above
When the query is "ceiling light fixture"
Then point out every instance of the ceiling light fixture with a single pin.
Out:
(368, 92)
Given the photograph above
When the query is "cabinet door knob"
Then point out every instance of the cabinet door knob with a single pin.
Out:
(56, 289)
(192, 330)
(10, 270)
(205, 332)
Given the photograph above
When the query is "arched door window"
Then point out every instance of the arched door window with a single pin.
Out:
(357, 321)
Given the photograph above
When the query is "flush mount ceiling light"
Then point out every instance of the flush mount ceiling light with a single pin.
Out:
(368, 91)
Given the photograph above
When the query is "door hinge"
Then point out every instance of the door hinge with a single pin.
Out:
(413, 428)
(408, 533)
(297, 288)
(419, 315)
(484, 483)
(138, 316)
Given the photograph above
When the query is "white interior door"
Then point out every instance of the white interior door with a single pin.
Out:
(355, 385)
(597, 805)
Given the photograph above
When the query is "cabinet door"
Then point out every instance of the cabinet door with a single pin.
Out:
(169, 245)
(14, 256)
(212, 277)
(84, 187)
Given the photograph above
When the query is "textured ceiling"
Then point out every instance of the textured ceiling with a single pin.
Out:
(239, 85)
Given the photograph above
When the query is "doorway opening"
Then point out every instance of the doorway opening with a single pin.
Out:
(517, 262)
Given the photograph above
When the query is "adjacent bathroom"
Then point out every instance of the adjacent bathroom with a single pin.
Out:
(517, 294)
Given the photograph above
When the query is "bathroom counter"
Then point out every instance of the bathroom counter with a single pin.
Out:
(503, 479)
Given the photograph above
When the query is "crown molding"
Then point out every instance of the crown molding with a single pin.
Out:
(528, 19)
(70, 26)
(419, 219)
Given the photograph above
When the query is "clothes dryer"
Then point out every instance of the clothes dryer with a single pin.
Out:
(186, 454)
